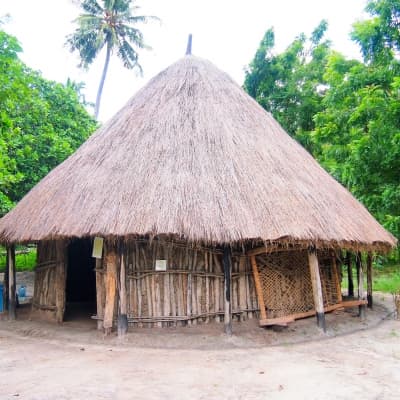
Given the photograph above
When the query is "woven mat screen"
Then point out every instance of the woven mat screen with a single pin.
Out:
(286, 282)
(328, 278)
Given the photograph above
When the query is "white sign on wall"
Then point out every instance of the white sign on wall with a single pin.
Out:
(97, 247)
(161, 265)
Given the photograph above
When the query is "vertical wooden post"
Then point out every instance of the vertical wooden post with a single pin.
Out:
(207, 278)
(111, 285)
(227, 264)
(317, 289)
(217, 269)
(360, 277)
(349, 275)
(6, 284)
(11, 282)
(259, 292)
(189, 296)
(61, 275)
(369, 280)
(122, 315)
(242, 288)
(99, 293)
(358, 267)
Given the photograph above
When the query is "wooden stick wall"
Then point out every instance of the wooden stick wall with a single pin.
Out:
(190, 290)
(44, 296)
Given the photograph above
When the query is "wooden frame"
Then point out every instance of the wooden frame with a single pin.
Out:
(319, 309)
(291, 318)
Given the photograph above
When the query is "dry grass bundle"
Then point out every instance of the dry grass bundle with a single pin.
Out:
(192, 155)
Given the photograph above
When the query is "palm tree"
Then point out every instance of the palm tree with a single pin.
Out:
(110, 24)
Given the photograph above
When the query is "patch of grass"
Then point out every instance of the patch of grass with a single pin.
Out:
(25, 258)
(385, 279)
(387, 283)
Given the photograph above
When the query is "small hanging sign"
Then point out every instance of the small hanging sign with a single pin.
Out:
(97, 247)
(161, 265)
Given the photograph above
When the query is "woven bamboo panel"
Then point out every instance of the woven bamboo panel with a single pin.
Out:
(286, 282)
(328, 278)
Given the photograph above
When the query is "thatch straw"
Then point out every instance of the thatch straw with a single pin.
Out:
(192, 155)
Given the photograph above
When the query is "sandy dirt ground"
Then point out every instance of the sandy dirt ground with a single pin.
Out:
(353, 360)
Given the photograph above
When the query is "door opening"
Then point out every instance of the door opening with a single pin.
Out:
(81, 281)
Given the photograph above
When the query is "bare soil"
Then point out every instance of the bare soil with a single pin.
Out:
(353, 360)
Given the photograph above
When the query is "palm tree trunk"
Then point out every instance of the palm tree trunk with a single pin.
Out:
(103, 78)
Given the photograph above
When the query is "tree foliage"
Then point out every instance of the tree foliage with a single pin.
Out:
(41, 123)
(111, 24)
(379, 36)
(290, 85)
(347, 112)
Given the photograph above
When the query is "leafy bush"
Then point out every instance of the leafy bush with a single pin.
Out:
(25, 258)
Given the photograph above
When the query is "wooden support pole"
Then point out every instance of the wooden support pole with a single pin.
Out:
(317, 289)
(122, 314)
(6, 284)
(61, 275)
(369, 280)
(360, 277)
(259, 292)
(111, 285)
(242, 288)
(227, 264)
(217, 269)
(358, 267)
(99, 293)
(349, 275)
(12, 304)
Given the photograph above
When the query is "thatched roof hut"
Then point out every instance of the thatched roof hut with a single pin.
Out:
(192, 157)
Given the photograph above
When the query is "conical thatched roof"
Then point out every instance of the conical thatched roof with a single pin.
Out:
(194, 156)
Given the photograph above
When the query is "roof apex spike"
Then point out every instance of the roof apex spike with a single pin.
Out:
(189, 45)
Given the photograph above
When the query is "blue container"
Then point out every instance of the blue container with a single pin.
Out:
(1, 298)
(22, 292)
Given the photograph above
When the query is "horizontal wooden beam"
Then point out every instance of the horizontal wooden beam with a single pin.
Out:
(292, 317)
(354, 303)
(257, 251)
(273, 249)
(277, 321)
(44, 307)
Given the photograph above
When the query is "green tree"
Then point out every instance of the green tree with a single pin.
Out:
(379, 36)
(346, 112)
(290, 85)
(110, 24)
(41, 123)
(357, 134)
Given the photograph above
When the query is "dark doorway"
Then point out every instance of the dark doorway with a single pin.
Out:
(81, 281)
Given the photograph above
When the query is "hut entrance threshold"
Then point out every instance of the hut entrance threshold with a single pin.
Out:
(81, 281)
